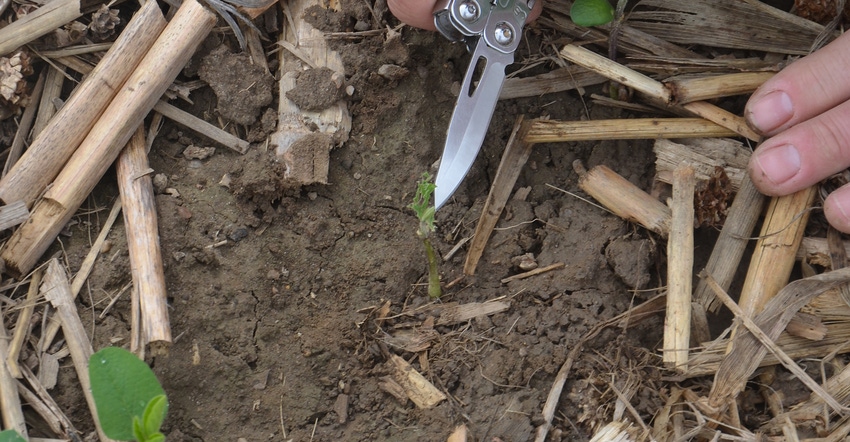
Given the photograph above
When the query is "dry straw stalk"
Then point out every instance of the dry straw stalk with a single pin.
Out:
(687, 90)
(680, 267)
(155, 72)
(552, 131)
(57, 291)
(46, 19)
(625, 199)
(50, 150)
(139, 207)
(776, 249)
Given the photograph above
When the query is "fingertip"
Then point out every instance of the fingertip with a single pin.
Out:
(420, 13)
(535, 11)
(775, 168)
(761, 182)
(769, 110)
(417, 13)
(837, 209)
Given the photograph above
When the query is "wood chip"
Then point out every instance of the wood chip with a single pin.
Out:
(422, 392)
(464, 312)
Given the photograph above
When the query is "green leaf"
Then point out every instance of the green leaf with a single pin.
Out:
(591, 12)
(11, 436)
(421, 204)
(122, 386)
(158, 437)
(155, 414)
(139, 430)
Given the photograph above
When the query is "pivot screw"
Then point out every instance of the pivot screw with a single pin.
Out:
(504, 34)
(469, 11)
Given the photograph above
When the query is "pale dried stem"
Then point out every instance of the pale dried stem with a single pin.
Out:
(140, 223)
(705, 155)
(46, 19)
(625, 199)
(202, 127)
(729, 249)
(39, 407)
(687, 90)
(551, 131)
(47, 107)
(57, 291)
(680, 266)
(13, 214)
(513, 159)
(10, 402)
(557, 80)
(23, 326)
(92, 159)
(44, 396)
(24, 126)
(615, 71)
(49, 152)
(723, 118)
(535, 272)
(654, 89)
(769, 343)
(774, 256)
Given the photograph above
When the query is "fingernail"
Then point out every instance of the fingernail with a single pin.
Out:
(770, 111)
(780, 163)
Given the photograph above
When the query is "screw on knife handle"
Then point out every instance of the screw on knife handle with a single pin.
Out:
(499, 22)
(459, 19)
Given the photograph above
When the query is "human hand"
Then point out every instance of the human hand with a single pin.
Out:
(805, 109)
(420, 13)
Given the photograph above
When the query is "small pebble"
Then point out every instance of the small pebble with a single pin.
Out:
(198, 153)
(525, 262)
(361, 26)
(238, 234)
(392, 72)
(160, 182)
(225, 181)
(184, 213)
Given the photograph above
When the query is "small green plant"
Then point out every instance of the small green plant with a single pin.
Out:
(130, 402)
(421, 205)
(11, 436)
(591, 12)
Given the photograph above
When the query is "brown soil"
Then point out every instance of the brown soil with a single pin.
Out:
(276, 330)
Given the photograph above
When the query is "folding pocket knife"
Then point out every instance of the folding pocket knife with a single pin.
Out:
(491, 30)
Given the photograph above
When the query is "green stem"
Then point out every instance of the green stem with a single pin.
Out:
(434, 290)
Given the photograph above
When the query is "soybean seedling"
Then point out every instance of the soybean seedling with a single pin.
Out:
(425, 211)
(130, 401)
